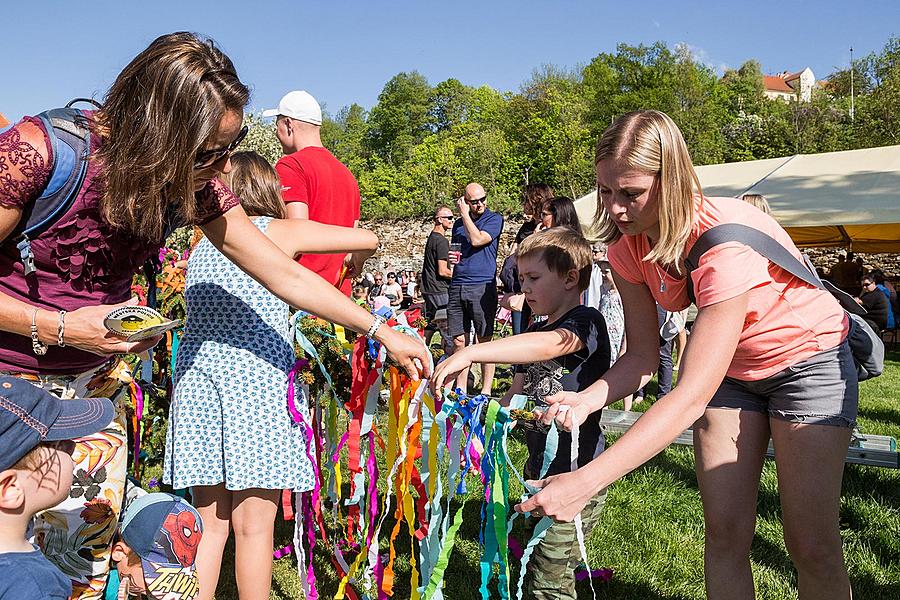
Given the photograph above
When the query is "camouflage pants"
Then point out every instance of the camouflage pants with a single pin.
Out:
(551, 571)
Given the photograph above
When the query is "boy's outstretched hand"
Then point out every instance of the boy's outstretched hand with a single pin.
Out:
(446, 371)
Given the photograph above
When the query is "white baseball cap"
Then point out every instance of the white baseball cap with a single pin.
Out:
(298, 105)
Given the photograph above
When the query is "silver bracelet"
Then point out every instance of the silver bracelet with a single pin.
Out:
(39, 347)
(373, 328)
(61, 330)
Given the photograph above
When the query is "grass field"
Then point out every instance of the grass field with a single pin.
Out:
(651, 530)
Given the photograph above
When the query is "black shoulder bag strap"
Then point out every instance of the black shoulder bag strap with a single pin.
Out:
(771, 249)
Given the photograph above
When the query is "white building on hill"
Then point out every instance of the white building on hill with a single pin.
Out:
(788, 86)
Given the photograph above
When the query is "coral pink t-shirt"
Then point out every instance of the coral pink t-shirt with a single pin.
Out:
(787, 320)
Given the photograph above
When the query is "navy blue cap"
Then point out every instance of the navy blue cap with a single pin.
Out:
(165, 531)
(30, 415)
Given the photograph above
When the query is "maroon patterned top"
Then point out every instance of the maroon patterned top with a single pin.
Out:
(81, 260)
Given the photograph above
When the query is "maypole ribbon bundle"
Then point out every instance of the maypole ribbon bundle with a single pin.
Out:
(432, 446)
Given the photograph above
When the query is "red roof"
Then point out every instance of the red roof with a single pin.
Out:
(774, 83)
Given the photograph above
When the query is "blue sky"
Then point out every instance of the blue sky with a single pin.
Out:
(344, 52)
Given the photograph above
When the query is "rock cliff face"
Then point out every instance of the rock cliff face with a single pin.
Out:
(403, 243)
(403, 247)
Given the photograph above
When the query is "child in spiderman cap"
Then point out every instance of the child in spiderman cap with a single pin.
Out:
(154, 552)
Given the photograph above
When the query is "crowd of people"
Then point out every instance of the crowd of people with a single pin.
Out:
(767, 355)
(871, 288)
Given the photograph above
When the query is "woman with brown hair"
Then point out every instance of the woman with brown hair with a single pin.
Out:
(163, 135)
(560, 212)
(768, 358)
(533, 197)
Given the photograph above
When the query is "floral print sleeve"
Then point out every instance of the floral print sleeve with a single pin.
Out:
(213, 201)
(25, 160)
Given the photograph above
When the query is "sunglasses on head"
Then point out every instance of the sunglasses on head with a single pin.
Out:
(207, 158)
(477, 200)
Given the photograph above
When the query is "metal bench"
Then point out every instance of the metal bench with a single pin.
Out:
(865, 449)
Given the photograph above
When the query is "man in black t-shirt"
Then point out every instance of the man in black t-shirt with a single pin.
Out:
(436, 272)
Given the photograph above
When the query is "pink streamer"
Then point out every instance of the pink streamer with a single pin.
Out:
(604, 575)
(340, 446)
(291, 395)
(307, 500)
(515, 549)
(139, 416)
(372, 468)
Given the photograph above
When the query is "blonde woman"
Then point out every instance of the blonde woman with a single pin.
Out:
(767, 357)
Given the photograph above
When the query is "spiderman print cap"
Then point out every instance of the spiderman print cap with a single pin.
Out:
(164, 530)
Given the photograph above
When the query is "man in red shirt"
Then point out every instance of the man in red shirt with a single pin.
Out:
(314, 184)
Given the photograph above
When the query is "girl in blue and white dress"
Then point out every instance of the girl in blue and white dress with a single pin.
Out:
(231, 438)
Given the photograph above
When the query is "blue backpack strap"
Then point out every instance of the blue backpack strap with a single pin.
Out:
(70, 141)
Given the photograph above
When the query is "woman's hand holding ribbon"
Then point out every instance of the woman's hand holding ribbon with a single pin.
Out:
(560, 497)
(408, 352)
(568, 409)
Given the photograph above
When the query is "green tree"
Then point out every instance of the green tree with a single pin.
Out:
(399, 120)
(261, 138)
(449, 105)
(350, 146)
(743, 88)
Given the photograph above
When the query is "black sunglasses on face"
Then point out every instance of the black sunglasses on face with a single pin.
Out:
(477, 200)
(445, 217)
(208, 158)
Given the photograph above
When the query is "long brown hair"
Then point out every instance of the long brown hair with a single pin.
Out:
(564, 213)
(256, 183)
(161, 110)
(533, 197)
(649, 141)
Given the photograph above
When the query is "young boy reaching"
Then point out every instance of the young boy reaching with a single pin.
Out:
(36, 429)
(567, 352)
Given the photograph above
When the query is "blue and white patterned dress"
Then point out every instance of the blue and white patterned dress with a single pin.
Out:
(229, 422)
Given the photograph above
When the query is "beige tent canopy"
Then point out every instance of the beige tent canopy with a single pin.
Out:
(849, 199)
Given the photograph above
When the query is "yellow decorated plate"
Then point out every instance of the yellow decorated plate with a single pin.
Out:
(135, 323)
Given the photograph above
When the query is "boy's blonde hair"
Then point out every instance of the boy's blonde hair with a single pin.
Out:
(649, 141)
(33, 459)
(562, 249)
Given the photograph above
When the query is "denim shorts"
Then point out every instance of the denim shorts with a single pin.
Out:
(821, 390)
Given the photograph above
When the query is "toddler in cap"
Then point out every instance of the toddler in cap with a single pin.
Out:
(36, 429)
(155, 550)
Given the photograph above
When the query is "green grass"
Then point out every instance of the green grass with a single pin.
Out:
(651, 530)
